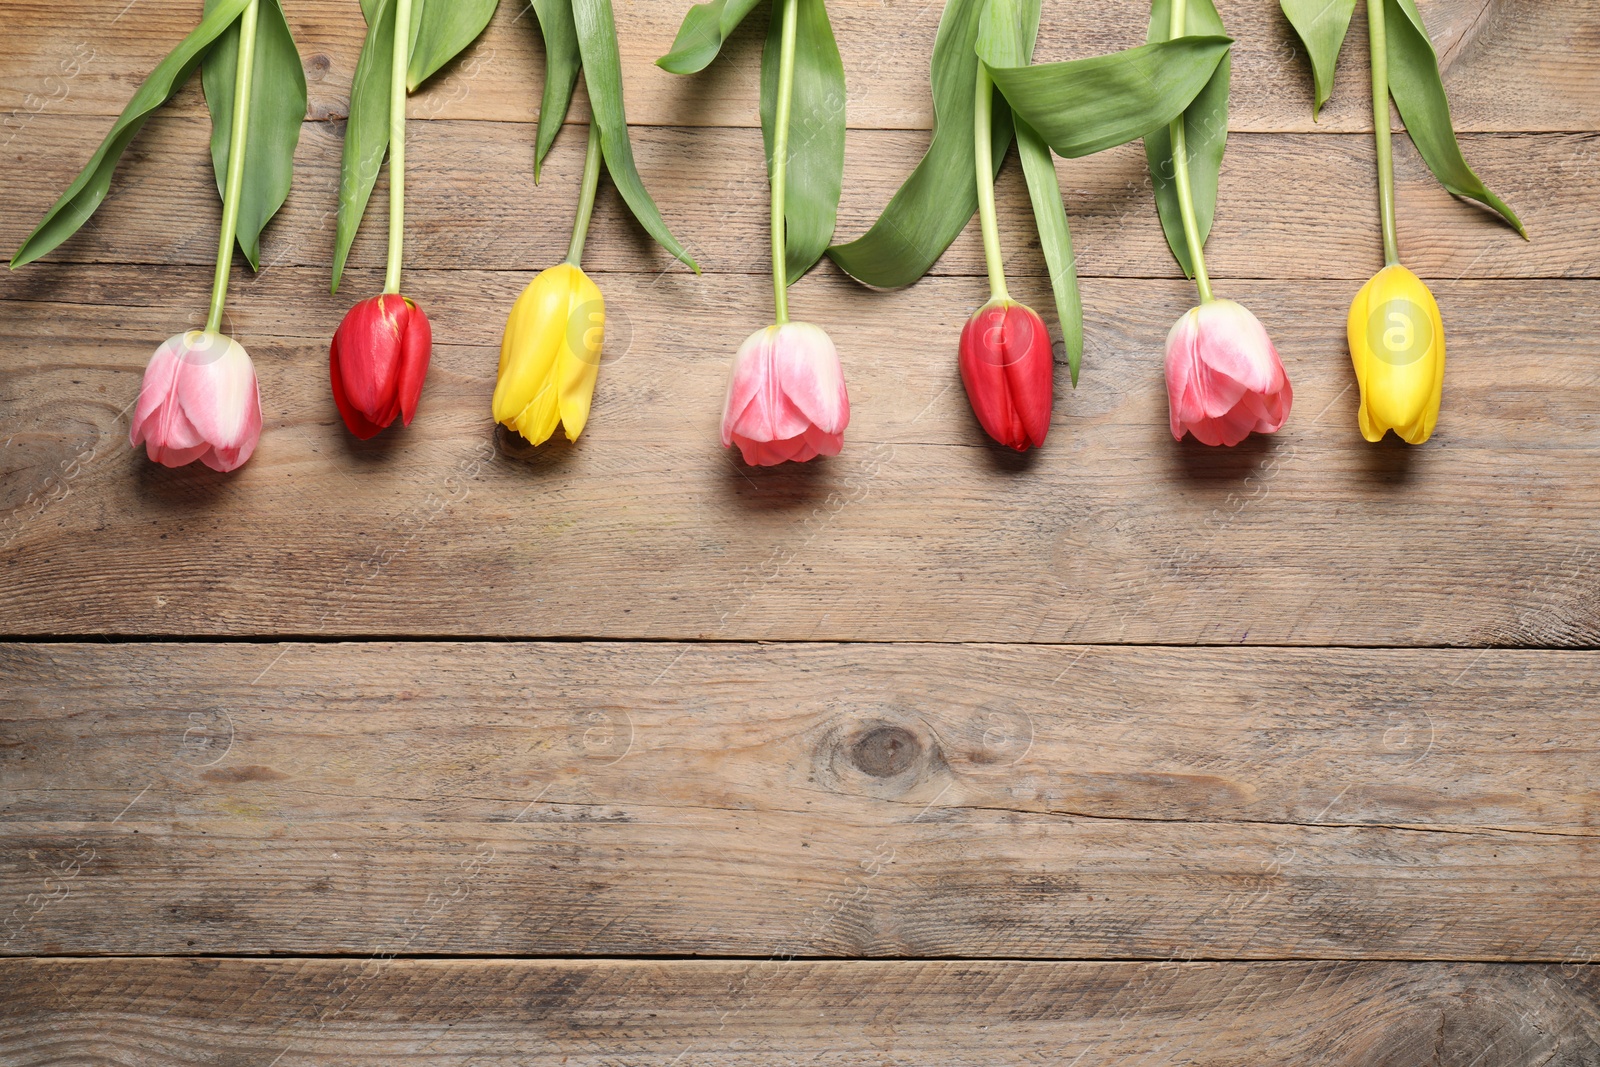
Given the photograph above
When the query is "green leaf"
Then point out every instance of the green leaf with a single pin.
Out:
(1050, 216)
(366, 131)
(369, 9)
(562, 62)
(1006, 32)
(440, 30)
(602, 73)
(940, 197)
(1321, 26)
(700, 38)
(88, 189)
(1418, 91)
(815, 172)
(1205, 123)
(1084, 106)
(277, 108)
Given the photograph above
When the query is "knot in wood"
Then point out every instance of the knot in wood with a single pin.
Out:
(886, 751)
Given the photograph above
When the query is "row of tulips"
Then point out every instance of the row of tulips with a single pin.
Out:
(787, 399)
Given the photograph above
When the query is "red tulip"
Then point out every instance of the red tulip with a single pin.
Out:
(1224, 378)
(1009, 372)
(378, 360)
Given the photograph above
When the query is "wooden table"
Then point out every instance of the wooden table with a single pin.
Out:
(440, 749)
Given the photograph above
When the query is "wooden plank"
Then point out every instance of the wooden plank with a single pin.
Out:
(473, 203)
(1427, 738)
(831, 800)
(920, 530)
(1511, 65)
(304, 1012)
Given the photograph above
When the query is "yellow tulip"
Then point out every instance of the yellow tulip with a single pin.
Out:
(1397, 345)
(550, 355)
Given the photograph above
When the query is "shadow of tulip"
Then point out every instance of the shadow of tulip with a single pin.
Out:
(785, 486)
(193, 486)
(380, 448)
(1003, 460)
(1198, 462)
(552, 456)
(1389, 461)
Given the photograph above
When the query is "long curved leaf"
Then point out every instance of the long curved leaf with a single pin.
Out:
(602, 73)
(815, 174)
(1055, 238)
(440, 30)
(88, 189)
(1321, 26)
(277, 108)
(1418, 91)
(562, 62)
(705, 27)
(940, 197)
(1205, 123)
(366, 131)
(1083, 106)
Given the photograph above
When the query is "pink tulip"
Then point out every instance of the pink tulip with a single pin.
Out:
(199, 401)
(1224, 378)
(787, 399)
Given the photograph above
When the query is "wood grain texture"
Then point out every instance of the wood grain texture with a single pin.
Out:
(473, 203)
(1506, 62)
(856, 1014)
(822, 801)
(920, 530)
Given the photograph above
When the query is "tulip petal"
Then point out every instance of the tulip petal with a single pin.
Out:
(416, 348)
(529, 348)
(160, 376)
(578, 366)
(357, 423)
(1237, 345)
(807, 366)
(220, 396)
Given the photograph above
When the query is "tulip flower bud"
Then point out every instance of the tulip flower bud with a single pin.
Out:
(378, 360)
(550, 355)
(1397, 345)
(200, 402)
(787, 399)
(1009, 372)
(1224, 378)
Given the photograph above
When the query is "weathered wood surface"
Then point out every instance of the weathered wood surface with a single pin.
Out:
(1511, 65)
(847, 1014)
(472, 203)
(1264, 810)
(646, 528)
(831, 800)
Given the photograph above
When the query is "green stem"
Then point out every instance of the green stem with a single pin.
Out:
(233, 184)
(780, 161)
(982, 121)
(1378, 33)
(397, 144)
(1180, 173)
(591, 182)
